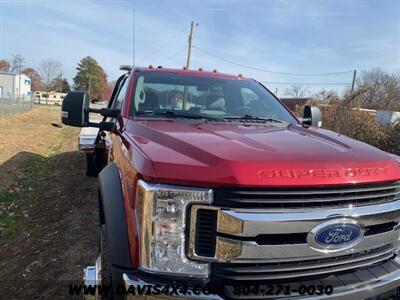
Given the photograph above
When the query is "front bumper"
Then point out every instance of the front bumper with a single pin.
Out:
(384, 284)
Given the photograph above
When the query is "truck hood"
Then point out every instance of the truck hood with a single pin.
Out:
(235, 154)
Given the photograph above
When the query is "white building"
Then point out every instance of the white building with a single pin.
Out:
(22, 87)
(14, 86)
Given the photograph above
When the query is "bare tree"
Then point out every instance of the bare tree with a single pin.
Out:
(297, 91)
(380, 90)
(325, 95)
(49, 69)
(17, 63)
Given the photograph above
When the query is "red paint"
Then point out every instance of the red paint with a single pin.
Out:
(212, 155)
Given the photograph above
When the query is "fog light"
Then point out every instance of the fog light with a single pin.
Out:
(161, 215)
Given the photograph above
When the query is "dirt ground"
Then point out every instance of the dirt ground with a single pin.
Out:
(48, 208)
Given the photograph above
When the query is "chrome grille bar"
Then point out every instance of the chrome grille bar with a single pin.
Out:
(299, 273)
(306, 197)
(364, 256)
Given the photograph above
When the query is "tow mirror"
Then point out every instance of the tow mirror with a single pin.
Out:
(312, 116)
(74, 109)
(75, 112)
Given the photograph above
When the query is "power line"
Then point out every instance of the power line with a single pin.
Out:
(161, 47)
(308, 83)
(269, 71)
(179, 51)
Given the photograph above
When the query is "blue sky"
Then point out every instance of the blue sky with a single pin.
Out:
(283, 36)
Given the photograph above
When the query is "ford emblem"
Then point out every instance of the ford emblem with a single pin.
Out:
(335, 235)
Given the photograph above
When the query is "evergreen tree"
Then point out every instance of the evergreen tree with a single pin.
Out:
(90, 77)
(59, 84)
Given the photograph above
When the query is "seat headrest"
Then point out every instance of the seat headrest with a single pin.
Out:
(217, 104)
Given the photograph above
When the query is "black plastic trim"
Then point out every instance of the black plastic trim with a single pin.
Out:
(206, 230)
(112, 201)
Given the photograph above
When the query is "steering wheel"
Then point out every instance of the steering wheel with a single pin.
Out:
(242, 110)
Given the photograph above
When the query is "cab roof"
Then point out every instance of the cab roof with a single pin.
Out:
(189, 72)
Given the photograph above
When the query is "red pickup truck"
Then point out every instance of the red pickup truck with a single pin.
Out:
(209, 187)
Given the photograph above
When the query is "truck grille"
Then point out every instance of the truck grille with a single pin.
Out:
(261, 272)
(268, 234)
(295, 198)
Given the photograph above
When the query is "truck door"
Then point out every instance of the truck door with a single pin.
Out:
(111, 139)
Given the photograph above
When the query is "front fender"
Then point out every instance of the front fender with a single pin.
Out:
(112, 212)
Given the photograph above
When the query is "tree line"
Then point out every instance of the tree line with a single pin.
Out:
(374, 89)
(48, 76)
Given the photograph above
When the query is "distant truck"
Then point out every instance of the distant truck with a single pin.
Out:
(210, 188)
(48, 98)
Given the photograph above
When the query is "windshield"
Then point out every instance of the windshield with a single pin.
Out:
(175, 95)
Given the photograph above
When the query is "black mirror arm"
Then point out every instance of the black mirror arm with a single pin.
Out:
(306, 121)
(105, 112)
(103, 126)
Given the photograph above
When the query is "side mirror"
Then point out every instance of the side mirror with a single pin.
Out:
(312, 116)
(75, 112)
(74, 109)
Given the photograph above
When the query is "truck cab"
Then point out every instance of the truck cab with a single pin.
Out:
(209, 183)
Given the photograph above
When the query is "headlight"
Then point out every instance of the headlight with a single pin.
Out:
(161, 216)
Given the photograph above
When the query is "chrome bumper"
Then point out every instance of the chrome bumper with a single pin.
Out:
(92, 277)
(131, 281)
(387, 283)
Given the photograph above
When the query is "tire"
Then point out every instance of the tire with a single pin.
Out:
(106, 266)
(92, 166)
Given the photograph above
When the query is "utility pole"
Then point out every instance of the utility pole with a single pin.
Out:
(61, 82)
(19, 77)
(354, 81)
(90, 83)
(190, 44)
(185, 92)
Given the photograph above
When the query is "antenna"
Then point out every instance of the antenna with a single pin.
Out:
(133, 37)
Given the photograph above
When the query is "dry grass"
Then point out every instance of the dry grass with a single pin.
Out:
(48, 208)
(31, 132)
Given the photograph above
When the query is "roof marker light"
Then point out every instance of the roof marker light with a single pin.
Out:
(126, 68)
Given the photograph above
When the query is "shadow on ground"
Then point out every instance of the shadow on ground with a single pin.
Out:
(48, 214)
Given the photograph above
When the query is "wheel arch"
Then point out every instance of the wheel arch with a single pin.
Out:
(112, 213)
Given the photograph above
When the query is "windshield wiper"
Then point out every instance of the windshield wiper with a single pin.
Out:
(177, 114)
(251, 117)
